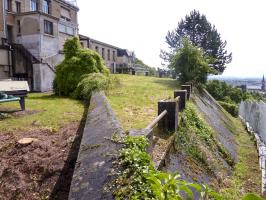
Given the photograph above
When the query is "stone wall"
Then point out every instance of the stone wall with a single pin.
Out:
(43, 76)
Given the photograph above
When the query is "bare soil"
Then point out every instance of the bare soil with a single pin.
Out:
(42, 169)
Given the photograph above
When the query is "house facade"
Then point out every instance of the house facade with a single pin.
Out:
(32, 35)
(116, 59)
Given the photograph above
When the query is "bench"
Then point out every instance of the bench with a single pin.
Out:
(17, 96)
(17, 89)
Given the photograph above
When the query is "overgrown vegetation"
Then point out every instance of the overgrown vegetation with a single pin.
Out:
(76, 66)
(139, 179)
(193, 134)
(91, 82)
(228, 96)
(246, 176)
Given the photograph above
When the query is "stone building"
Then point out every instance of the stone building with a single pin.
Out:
(32, 35)
(116, 59)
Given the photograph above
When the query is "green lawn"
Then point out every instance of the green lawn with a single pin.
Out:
(135, 99)
(42, 110)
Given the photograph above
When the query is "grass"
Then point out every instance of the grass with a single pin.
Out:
(45, 111)
(135, 99)
(246, 176)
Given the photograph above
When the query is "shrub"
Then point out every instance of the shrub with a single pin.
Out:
(89, 83)
(232, 108)
(77, 62)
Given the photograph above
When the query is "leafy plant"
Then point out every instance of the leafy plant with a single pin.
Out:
(139, 179)
(251, 196)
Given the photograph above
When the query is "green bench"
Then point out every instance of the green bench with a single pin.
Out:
(9, 96)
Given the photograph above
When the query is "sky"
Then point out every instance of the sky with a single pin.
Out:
(141, 26)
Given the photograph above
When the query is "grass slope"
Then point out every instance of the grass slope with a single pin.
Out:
(246, 175)
(135, 99)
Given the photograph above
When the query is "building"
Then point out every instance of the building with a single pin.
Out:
(32, 35)
(116, 59)
(108, 52)
(263, 86)
(125, 61)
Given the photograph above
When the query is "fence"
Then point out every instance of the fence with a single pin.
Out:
(167, 119)
(253, 114)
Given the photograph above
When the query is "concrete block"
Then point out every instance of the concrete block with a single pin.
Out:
(170, 121)
(182, 94)
(188, 88)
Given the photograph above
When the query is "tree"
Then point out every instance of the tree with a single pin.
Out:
(196, 28)
(190, 63)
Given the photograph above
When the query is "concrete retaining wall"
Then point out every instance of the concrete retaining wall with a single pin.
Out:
(94, 167)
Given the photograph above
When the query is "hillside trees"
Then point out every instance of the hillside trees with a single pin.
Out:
(200, 32)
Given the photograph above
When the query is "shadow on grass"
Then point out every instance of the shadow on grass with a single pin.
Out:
(170, 83)
(62, 186)
(43, 96)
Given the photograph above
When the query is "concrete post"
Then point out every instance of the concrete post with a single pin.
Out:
(182, 94)
(170, 121)
(188, 88)
(191, 84)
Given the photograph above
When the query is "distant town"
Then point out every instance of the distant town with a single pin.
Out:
(247, 84)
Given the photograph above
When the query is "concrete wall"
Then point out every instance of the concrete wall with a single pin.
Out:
(1, 19)
(43, 77)
(94, 167)
(4, 64)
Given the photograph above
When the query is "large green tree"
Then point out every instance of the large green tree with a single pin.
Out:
(190, 64)
(200, 32)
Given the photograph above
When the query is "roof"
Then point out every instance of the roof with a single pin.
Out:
(120, 52)
(83, 37)
(125, 52)
(71, 3)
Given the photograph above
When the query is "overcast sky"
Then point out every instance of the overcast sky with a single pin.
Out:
(141, 26)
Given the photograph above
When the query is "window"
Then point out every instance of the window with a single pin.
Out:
(19, 26)
(108, 54)
(46, 6)
(113, 55)
(97, 49)
(65, 14)
(8, 5)
(18, 7)
(48, 27)
(66, 29)
(33, 5)
(103, 53)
